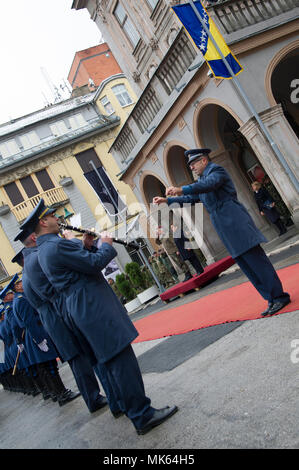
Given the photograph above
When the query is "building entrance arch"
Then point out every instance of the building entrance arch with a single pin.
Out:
(282, 83)
(247, 162)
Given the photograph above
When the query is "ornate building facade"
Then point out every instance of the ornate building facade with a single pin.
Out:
(181, 106)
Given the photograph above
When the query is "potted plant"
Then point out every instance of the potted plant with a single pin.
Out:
(142, 282)
(126, 289)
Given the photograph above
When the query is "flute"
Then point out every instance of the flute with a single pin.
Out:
(64, 226)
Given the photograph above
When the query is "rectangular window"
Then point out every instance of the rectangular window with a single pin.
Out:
(44, 180)
(9, 148)
(100, 181)
(107, 105)
(122, 95)
(29, 186)
(126, 24)
(29, 140)
(3, 272)
(13, 193)
(58, 128)
(77, 121)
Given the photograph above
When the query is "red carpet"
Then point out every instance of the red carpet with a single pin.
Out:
(237, 303)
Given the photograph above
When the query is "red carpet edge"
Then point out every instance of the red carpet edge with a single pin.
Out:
(237, 303)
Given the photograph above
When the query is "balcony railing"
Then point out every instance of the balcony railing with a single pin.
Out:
(171, 70)
(147, 110)
(176, 62)
(125, 141)
(53, 197)
(233, 15)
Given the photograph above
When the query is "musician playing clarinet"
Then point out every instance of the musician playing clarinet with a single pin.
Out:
(96, 312)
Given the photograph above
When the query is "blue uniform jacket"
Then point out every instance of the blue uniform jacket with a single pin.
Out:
(35, 333)
(261, 197)
(45, 299)
(7, 337)
(92, 304)
(234, 225)
(18, 337)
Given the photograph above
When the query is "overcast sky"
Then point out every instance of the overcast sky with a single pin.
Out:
(37, 34)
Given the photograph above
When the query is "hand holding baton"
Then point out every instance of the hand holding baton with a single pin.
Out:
(18, 355)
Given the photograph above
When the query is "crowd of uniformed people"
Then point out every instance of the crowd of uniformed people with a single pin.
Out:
(62, 308)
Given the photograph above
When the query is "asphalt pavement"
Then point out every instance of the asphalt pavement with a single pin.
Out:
(236, 386)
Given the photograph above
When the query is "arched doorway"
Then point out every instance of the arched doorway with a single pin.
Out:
(152, 186)
(284, 74)
(175, 163)
(246, 160)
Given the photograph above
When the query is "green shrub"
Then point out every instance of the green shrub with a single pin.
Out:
(136, 276)
(125, 288)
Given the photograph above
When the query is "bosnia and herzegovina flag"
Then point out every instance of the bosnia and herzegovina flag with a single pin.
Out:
(201, 39)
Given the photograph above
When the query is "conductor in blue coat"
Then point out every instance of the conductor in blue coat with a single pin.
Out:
(96, 311)
(234, 225)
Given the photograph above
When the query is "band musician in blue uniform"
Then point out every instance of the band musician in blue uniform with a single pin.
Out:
(43, 297)
(75, 272)
(235, 227)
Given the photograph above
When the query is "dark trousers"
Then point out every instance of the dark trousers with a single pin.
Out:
(261, 273)
(125, 374)
(114, 400)
(195, 263)
(86, 380)
(88, 385)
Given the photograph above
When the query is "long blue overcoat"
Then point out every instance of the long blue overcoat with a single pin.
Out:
(234, 225)
(95, 309)
(35, 333)
(44, 298)
(6, 335)
(17, 331)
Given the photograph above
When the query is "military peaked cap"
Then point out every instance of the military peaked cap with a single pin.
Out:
(9, 286)
(40, 211)
(194, 154)
(19, 258)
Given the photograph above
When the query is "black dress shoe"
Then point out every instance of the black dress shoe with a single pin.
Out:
(67, 397)
(265, 312)
(117, 414)
(278, 306)
(100, 403)
(158, 417)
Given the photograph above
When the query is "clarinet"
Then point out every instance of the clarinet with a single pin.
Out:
(64, 226)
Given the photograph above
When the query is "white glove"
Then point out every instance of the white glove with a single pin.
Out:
(20, 347)
(43, 346)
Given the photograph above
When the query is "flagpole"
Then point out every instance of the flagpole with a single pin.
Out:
(247, 101)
